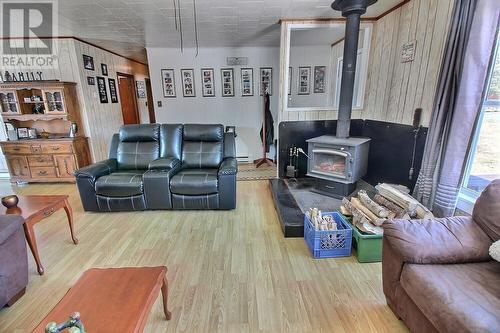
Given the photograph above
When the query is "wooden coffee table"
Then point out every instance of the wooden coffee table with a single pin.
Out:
(34, 208)
(112, 299)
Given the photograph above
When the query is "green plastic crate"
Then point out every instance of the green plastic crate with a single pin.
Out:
(368, 247)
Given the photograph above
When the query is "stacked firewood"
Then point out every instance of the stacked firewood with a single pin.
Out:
(391, 202)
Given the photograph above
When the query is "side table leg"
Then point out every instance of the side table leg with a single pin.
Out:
(30, 238)
(69, 213)
(164, 293)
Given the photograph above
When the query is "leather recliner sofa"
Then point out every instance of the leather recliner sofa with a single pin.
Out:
(163, 166)
(438, 275)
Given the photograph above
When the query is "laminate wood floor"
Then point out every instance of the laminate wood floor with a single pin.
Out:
(229, 271)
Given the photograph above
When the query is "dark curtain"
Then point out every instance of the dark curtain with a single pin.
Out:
(269, 124)
(457, 103)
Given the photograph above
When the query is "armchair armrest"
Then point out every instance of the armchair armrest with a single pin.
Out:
(229, 166)
(438, 241)
(97, 170)
(164, 163)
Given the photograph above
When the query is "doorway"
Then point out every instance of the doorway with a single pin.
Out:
(149, 102)
(126, 86)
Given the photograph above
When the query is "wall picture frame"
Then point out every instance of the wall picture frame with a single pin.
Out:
(319, 79)
(304, 81)
(208, 82)
(247, 85)
(113, 94)
(168, 83)
(187, 77)
(227, 77)
(266, 80)
(91, 80)
(140, 87)
(104, 69)
(101, 89)
(88, 62)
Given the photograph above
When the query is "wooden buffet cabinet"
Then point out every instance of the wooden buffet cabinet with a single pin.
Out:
(49, 159)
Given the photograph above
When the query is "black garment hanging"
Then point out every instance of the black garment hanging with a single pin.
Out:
(269, 124)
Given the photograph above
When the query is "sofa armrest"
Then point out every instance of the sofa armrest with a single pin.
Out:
(9, 224)
(437, 241)
(97, 170)
(164, 163)
(229, 166)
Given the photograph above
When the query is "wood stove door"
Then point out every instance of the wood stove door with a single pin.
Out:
(331, 163)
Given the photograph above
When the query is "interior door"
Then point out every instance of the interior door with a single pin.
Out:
(128, 99)
(150, 103)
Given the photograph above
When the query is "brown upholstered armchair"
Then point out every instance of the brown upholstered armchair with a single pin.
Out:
(438, 275)
(13, 259)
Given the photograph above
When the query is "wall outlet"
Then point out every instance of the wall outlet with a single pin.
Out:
(159, 104)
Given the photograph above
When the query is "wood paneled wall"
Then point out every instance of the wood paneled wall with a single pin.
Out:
(100, 120)
(395, 89)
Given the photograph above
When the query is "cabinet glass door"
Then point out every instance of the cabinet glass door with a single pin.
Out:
(55, 101)
(8, 102)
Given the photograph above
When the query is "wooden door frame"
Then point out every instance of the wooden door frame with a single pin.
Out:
(134, 95)
(150, 103)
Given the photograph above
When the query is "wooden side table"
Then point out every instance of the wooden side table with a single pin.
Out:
(112, 300)
(35, 208)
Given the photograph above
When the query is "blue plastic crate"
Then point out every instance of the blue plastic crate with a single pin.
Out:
(329, 243)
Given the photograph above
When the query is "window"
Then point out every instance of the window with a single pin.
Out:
(483, 163)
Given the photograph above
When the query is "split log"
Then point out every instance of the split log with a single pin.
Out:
(401, 199)
(398, 212)
(360, 221)
(372, 205)
(372, 217)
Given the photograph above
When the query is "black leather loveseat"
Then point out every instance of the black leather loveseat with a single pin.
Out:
(167, 166)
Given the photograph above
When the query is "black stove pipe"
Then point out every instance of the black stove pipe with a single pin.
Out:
(352, 11)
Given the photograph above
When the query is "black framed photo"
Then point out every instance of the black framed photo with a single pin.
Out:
(112, 91)
(101, 88)
(22, 133)
(304, 87)
(266, 80)
(187, 77)
(104, 69)
(207, 82)
(319, 79)
(247, 82)
(141, 89)
(168, 82)
(91, 80)
(227, 76)
(88, 62)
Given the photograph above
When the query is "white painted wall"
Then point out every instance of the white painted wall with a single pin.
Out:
(243, 112)
(310, 56)
(100, 120)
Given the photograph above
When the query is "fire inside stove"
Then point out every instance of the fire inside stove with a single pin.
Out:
(329, 162)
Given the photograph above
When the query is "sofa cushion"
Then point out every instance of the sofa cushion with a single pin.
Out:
(9, 224)
(194, 182)
(456, 298)
(203, 132)
(202, 154)
(138, 146)
(120, 184)
(487, 210)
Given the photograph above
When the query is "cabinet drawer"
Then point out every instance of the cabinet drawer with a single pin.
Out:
(16, 149)
(43, 172)
(40, 160)
(57, 148)
(36, 149)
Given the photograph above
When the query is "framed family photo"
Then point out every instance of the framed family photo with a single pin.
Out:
(247, 82)
(304, 87)
(207, 82)
(227, 75)
(319, 79)
(266, 80)
(187, 76)
(168, 82)
(88, 62)
(112, 91)
(104, 69)
(101, 88)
